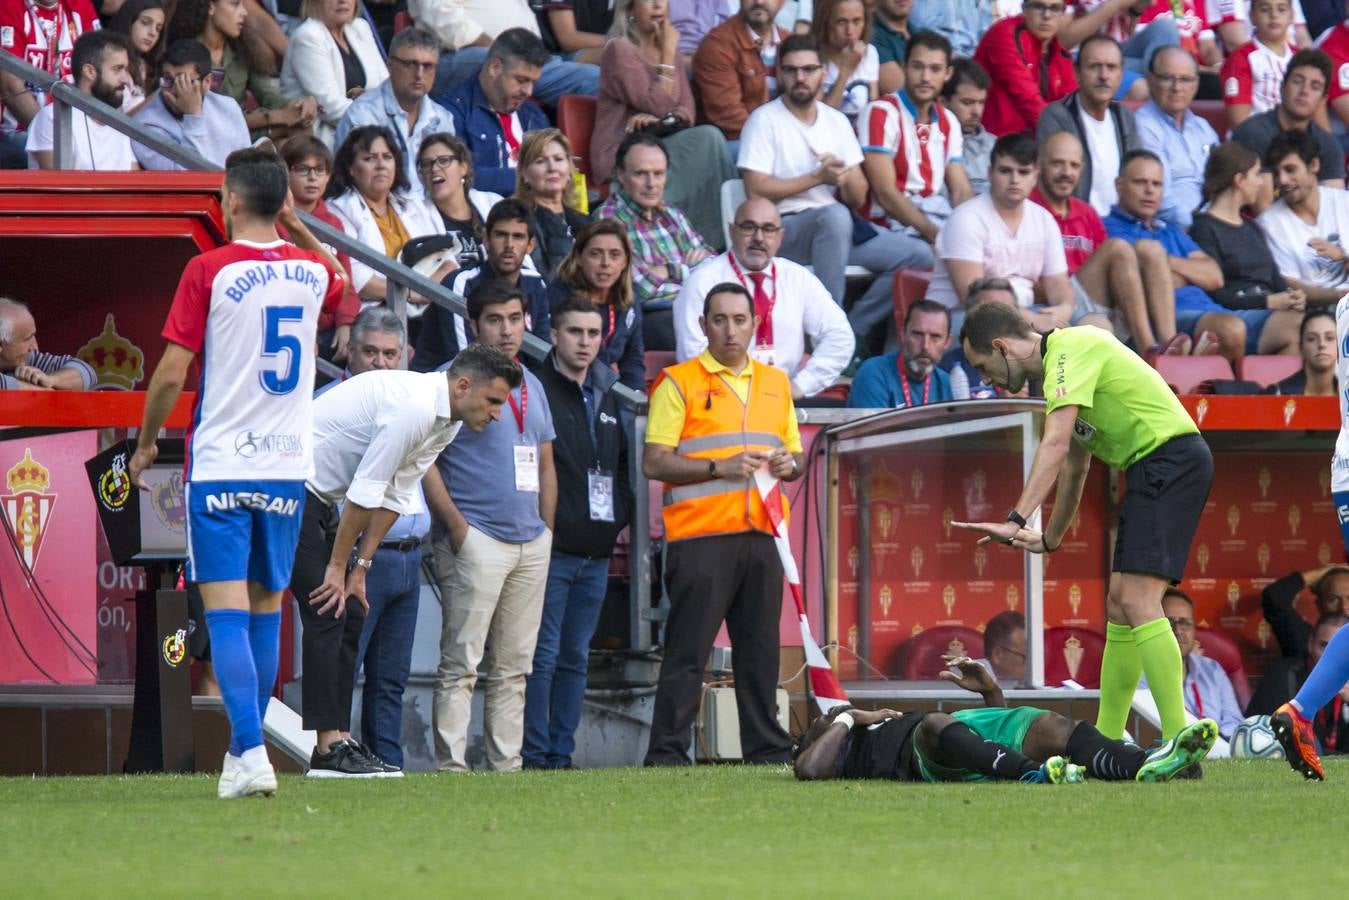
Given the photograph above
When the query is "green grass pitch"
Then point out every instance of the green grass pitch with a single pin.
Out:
(1250, 828)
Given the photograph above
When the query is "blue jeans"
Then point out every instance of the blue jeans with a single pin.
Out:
(393, 588)
(559, 77)
(1138, 50)
(556, 689)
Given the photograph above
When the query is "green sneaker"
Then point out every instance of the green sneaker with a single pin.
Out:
(1057, 770)
(1187, 748)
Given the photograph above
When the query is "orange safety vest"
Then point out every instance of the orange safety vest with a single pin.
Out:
(724, 505)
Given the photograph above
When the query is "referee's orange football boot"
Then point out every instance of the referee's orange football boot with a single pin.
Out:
(1295, 735)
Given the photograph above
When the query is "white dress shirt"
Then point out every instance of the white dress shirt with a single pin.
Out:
(375, 436)
(802, 307)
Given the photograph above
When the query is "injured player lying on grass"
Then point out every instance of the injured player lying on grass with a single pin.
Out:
(989, 744)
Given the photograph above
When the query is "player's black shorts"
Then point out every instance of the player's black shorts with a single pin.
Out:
(1166, 493)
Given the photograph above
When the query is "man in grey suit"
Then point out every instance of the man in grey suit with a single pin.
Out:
(1104, 127)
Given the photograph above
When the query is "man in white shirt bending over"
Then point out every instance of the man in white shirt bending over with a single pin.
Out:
(803, 155)
(789, 301)
(1001, 235)
(1309, 223)
(101, 63)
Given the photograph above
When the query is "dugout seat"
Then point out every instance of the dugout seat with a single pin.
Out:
(1267, 370)
(655, 361)
(909, 285)
(1186, 373)
(920, 657)
(1218, 645)
(1073, 653)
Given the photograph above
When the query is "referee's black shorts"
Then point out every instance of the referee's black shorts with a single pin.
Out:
(1165, 495)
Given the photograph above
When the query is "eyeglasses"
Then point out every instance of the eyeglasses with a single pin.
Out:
(167, 81)
(800, 71)
(749, 228)
(413, 64)
(310, 171)
(1047, 10)
(1176, 80)
(439, 162)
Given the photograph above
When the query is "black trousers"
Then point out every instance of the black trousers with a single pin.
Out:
(736, 578)
(329, 644)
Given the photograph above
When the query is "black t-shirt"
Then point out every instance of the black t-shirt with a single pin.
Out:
(1258, 133)
(592, 17)
(352, 69)
(473, 248)
(884, 750)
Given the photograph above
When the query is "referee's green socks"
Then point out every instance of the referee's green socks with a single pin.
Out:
(1160, 655)
(1121, 667)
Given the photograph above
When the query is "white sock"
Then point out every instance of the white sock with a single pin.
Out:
(256, 757)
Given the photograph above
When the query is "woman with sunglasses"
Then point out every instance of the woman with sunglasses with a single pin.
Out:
(599, 268)
(310, 163)
(445, 168)
(334, 57)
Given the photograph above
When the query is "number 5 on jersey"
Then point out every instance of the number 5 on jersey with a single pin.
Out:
(281, 380)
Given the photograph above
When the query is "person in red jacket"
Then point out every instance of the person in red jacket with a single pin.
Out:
(1030, 67)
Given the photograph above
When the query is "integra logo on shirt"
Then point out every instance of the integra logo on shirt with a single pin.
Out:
(249, 444)
(285, 506)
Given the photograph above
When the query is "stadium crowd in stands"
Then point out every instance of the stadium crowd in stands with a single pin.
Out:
(1171, 171)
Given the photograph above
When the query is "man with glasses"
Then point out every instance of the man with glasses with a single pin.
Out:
(1030, 66)
(789, 303)
(802, 154)
(187, 112)
(401, 103)
(1168, 128)
(1005, 648)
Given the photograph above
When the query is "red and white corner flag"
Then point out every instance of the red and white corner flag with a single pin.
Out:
(824, 684)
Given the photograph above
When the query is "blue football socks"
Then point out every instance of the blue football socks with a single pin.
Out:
(237, 675)
(264, 634)
(1328, 676)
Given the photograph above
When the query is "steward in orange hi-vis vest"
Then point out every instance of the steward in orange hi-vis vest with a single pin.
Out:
(718, 425)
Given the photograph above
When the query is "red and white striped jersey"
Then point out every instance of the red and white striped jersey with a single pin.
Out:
(921, 151)
(1253, 74)
(250, 312)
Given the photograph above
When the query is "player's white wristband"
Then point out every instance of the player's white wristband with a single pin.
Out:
(845, 719)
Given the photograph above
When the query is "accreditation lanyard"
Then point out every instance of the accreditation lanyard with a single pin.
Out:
(764, 335)
(612, 320)
(523, 408)
(904, 383)
(1198, 701)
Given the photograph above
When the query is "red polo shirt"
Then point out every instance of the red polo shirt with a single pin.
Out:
(1083, 230)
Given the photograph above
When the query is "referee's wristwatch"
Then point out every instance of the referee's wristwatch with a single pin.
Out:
(363, 563)
(1016, 519)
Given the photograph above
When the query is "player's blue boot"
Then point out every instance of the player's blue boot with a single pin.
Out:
(1056, 770)
(1190, 745)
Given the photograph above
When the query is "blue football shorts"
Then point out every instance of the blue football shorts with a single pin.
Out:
(243, 531)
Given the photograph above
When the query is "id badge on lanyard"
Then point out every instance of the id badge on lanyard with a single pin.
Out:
(601, 484)
(525, 451)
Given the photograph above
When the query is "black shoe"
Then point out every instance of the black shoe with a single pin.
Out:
(343, 760)
(370, 756)
(1194, 771)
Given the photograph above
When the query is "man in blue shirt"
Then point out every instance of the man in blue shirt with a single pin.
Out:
(878, 383)
(1168, 128)
(490, 112)
(1168, 258)
(493, 500)
(393, 586)
(401, 104)
(962, 21)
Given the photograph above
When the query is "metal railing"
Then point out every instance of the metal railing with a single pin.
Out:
(400, 279)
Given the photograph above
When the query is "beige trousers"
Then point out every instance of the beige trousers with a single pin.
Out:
(491, 596)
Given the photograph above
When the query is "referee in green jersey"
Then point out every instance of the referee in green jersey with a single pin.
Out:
(1103, 400)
